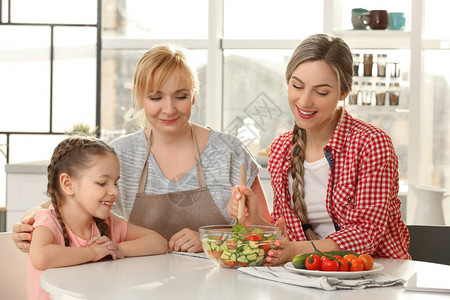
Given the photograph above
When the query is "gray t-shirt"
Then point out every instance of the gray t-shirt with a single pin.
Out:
(221, 160)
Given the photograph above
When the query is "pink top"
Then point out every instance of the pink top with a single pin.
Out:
(48, 218)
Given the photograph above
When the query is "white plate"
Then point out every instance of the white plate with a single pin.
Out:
(342, 275)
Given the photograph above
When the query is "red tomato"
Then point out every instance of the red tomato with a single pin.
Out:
(356, 266)
(313, 262)
(329, 265)
(367, 261)
(349, 257)
(229, 262)
(265, 245)
(344, 265)
(253, 237)
(242, 264)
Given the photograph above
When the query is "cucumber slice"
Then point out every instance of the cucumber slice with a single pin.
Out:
(253, 244)
(252, 257)
(242, 259)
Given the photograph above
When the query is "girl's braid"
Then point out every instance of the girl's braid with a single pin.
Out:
(298, 172)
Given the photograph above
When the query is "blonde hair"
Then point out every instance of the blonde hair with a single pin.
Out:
(70, 156)
(335, 52)
(156, 65)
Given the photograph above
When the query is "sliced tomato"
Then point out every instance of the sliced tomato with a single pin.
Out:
(265, 245)
(215, 254)
(229, 262)
(242, 264)
(253, 237)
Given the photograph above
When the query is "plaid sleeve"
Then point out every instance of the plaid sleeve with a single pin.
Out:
(366, 209)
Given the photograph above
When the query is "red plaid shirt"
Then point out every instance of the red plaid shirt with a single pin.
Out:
(362, 196)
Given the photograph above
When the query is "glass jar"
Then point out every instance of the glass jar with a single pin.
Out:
(356, 62)
(353, 95)
(368, 63)
(394, 93)
(367, 93)
(381, 65)
(380, 91)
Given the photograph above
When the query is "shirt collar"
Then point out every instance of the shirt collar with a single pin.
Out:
(342, 132)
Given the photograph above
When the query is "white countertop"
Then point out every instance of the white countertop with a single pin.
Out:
(33, 167)
(172, 276)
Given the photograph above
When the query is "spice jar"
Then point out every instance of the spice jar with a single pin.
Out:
(380, 91)
(394, 93)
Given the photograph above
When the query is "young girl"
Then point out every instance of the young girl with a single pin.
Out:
(79, 227)
(334, 177)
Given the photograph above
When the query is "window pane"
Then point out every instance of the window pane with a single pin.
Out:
(24, 78)
(434, 15)
(74, 80)
(436, 123)
(2, 168)
(25, 148)
(54, 11)
(254, 87)
(157, 19)
(268, 19)
(118, 104)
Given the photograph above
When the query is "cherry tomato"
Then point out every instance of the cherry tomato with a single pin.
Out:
(265, 245)
(356, 266)
(329, 265)
(349, 257)
(253, 237)
(229, 262)
(344, 265)
(313, 262)
(367, 261)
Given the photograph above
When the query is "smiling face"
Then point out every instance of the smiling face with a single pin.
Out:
(94, 188)
(313, 94)
(169, 109)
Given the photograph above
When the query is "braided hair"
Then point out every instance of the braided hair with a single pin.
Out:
(70, 156)
(335, 52)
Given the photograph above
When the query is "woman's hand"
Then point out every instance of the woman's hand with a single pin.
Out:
(185, 240)
(22, 234)
(252, 214)
(285, 251)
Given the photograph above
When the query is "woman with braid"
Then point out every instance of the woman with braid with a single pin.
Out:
(79, 227)
(334, 177)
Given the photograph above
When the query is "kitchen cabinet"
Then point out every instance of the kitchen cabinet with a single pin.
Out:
(26, 184)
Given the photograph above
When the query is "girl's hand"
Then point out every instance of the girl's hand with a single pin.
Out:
(252, 215)
(185, 240)
(22, 234)
(285, 248)
(110, 245)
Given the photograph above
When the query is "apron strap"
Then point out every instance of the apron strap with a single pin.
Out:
(144, 173)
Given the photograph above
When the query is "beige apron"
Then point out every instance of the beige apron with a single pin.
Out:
(169, 213)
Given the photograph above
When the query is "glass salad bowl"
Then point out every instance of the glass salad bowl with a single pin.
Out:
(238, 246)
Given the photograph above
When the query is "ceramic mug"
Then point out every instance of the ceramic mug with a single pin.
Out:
(377, 19)
(396, 21)
(356, 20)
